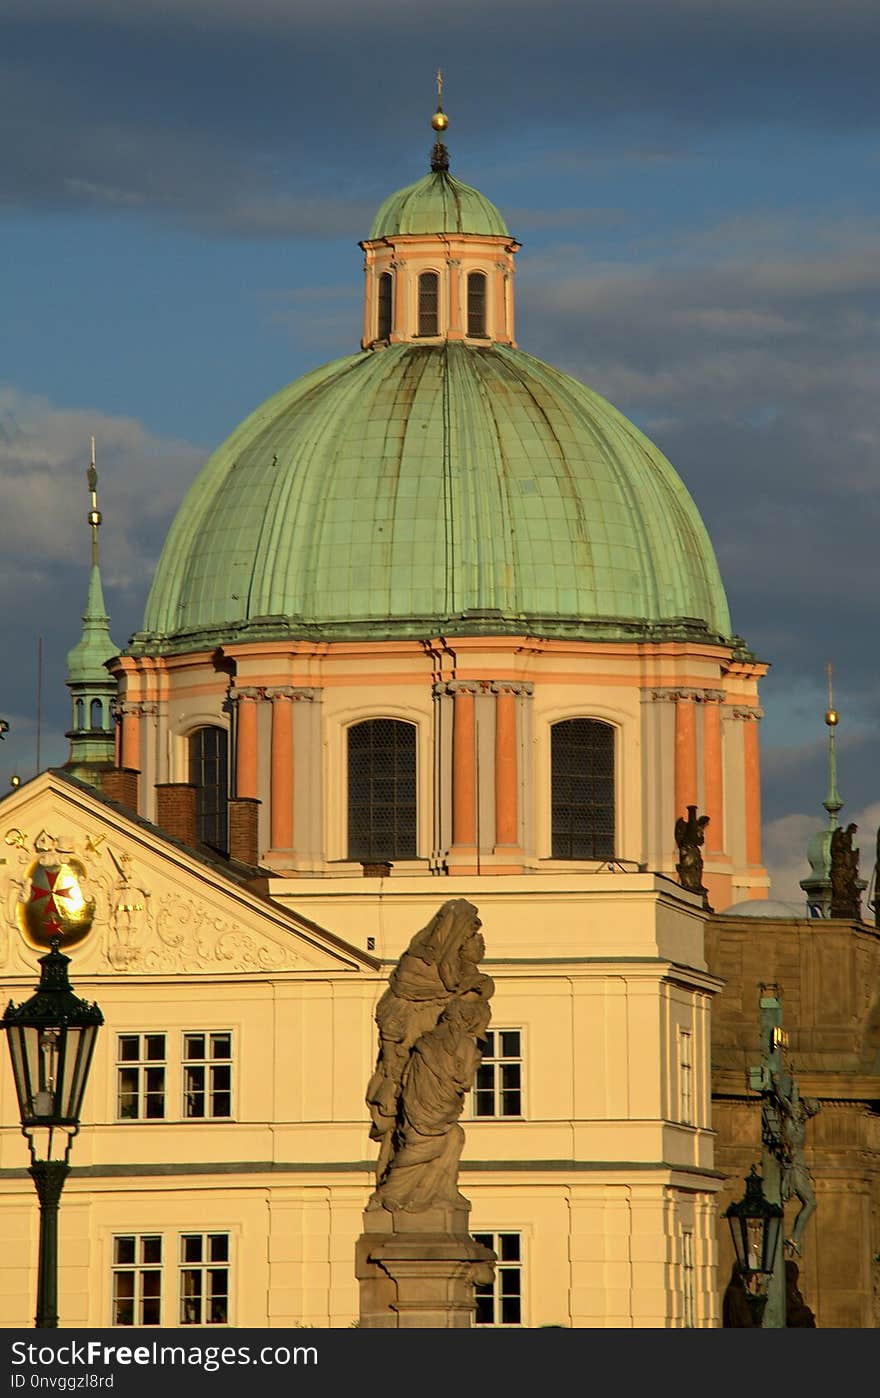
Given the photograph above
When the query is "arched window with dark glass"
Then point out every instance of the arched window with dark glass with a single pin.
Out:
(79, 721)
(384, 302)
(476, 305)
(96, 714)
(209, 774)
(429, 303)
(582, 789)
(382, 790)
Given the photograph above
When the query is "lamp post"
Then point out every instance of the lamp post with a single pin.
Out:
(754, 1227)
(51, 1041)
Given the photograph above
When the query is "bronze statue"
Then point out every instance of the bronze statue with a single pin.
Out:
(690, 835)
(429, 1020)
(846, 898)
(792, 1112)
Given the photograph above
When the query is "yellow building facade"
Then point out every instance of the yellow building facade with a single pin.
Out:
(225, 1108)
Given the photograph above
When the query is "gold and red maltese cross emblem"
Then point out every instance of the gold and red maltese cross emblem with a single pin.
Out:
(56, 905)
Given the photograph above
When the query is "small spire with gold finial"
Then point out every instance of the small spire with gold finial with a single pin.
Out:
(439, 121)
(832, 802)
(818, 885)
(94, 515)
(92, 687)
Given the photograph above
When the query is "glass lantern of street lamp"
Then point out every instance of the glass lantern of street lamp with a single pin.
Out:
(51, 1041)
(755, 1224)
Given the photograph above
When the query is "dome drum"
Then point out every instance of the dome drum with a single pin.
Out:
(473, 290)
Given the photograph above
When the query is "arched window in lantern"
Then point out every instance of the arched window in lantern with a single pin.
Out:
(385, 303)
(429, 303)
(476, 305)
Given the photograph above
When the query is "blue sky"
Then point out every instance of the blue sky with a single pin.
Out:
(182, 188)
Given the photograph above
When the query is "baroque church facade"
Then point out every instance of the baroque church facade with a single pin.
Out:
(435, 622)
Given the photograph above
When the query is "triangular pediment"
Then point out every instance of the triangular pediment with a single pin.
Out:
(141, 903)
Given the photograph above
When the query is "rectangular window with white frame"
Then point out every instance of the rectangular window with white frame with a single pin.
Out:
(498, 1089)
(500, 1302)
(137, 1279)
(688, 1279)
(685, 1077)
(140, 1077)
(204, 1279)
(207, 1075)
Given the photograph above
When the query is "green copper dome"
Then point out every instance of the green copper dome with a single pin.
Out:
(438, 203)
(436, 489)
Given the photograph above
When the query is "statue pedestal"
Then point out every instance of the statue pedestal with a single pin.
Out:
(417, 1270)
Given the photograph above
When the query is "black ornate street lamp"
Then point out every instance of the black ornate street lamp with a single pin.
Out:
(51, 1040)
(755, 1225)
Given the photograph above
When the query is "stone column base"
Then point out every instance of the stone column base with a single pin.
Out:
(417, 1270)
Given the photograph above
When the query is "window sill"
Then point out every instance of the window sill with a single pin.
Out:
(174, 1121)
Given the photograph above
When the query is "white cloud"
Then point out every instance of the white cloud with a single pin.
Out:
(785, 850)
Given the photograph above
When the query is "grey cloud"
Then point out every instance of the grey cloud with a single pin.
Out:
(213, 110)
(757, 376)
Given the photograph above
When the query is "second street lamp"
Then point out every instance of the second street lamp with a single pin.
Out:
(755, 1226)
(51, 1041)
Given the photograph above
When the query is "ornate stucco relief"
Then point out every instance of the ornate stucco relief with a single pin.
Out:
(139, 922)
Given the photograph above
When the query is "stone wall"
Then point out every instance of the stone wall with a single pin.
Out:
(829, 977)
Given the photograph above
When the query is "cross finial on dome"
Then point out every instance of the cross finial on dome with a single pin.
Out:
(439, 121)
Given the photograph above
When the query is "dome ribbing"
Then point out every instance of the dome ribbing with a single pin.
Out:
(438, 203)
(435, 489)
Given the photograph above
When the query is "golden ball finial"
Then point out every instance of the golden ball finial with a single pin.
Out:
(832, 718)
(439, 120)
(15, 781)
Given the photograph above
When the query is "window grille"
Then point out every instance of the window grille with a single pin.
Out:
(209, 774)
(686, 1078)
(137, 1279)
(385, 288)
(688, 1277)
(498, 1086)
(429, 299)
(476, 305)
(204, 1279)
(207, 1075)
(582, 789)
(382, 790)
(140, 1077)
(500, 1302)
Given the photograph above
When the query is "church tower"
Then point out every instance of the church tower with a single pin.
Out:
(440, 607)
